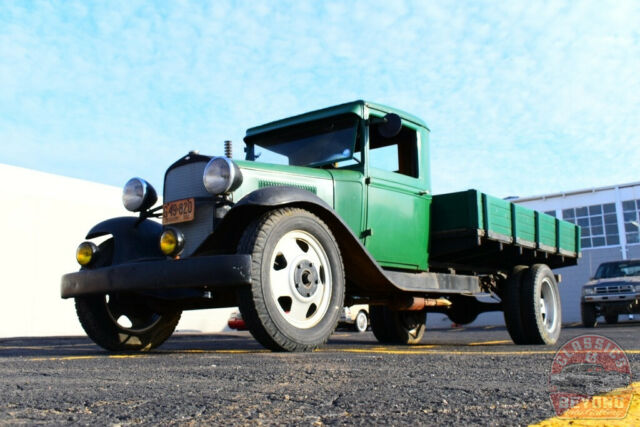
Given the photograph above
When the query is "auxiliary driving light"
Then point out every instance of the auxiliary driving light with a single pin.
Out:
(171, 242)
(85, 253)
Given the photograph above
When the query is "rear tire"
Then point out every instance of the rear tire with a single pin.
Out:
(512, 305)
(541, 309)
(397, 327)
(588, 313)
(611, 319)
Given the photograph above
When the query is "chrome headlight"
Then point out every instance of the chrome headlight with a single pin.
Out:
(221, 175)
(138, 195)
(637, 288)
(590, 290)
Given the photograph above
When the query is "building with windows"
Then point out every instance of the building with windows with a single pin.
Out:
(610, 222)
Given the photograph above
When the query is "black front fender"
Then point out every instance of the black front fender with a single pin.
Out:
(133, 239)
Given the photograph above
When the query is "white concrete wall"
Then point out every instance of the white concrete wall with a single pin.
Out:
(43, 218)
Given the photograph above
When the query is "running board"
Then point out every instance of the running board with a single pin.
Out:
(434, 282)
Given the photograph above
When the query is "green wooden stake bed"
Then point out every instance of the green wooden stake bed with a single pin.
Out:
(349, 219)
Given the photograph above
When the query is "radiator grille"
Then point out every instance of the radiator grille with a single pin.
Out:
(614, 289)
(184, 182)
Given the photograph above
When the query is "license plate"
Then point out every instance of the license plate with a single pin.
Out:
(178, 211)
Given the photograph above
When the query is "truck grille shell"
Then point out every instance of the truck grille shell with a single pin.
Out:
(183, 182)
(617, 288)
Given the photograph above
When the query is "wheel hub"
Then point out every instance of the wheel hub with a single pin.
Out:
(305, 278)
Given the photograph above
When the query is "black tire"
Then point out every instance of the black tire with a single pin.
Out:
(296, 246)
(611, 319)
(588, 313)
(512, 302)
(397, 327)
(541, 308)
(361, 322)
(100, 316)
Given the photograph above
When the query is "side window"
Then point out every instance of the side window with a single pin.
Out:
(398, 154)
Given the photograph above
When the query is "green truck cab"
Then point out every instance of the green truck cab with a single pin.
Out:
(328, 209)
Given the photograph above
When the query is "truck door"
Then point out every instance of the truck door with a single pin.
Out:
(397, 217)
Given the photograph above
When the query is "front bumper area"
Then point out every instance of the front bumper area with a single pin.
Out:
(610, 297)
(209, 272)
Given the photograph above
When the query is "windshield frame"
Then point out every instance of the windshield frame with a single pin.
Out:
(308, 134)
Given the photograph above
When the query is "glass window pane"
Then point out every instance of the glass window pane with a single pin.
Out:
(613, 240)
(609, 208)
(638, 204)
(629, 205)
(583, 222)
(584, 231)
(610, 219)
(568, 213)
(630, 228)
(630, 216)
(552, 213)
(598, 241)
(612, 229)
(597, 230)
(595, 209)
(596, 220)
(581, 211)
(632, 238)
(586, 243)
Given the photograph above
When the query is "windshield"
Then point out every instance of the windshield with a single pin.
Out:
(310, 144)
(618, 269)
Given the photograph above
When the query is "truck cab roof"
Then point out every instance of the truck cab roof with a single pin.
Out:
(355, 107)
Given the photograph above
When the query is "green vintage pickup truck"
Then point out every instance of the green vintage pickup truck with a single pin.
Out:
(328, 208)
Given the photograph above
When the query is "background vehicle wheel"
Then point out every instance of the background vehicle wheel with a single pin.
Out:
(589, 317)
(511, 302)
(297, 289)
(397, 327)
(611, 319)
(119, 322)
(362, 322)
(541, 310)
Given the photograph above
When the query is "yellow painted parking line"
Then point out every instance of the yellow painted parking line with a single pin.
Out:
(632, 418)
(490, 342)
(573, 325)
(486, 328)
(456, 329)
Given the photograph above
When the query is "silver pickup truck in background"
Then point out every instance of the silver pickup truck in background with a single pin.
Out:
(614, 290)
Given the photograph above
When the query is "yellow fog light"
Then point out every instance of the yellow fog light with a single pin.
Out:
(85, 252)
(171, 242)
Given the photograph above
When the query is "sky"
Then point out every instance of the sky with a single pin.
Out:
(522, 98)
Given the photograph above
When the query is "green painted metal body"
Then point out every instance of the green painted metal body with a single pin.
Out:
(503, 221)
(392, 213)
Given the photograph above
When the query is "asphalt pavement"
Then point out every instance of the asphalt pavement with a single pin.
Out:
(463, 376)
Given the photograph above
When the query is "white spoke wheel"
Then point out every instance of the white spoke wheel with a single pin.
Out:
(297, 275)
(362, 321)
(540, 306)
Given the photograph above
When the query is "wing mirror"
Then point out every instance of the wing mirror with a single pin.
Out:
(388, 126)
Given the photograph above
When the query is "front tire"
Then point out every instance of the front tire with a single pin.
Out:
(297, 289)
(541, 309)
(116, 323)
(589, 317)
(397, 327)
(120, 322)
